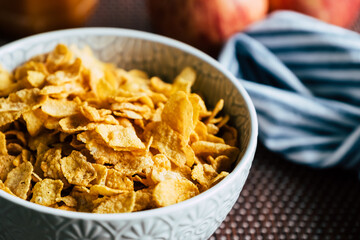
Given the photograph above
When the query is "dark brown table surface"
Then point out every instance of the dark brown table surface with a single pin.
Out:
(280, 200)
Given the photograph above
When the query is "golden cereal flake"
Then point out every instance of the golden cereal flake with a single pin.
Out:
(170, 143)
(117, 180)
(19, 179)
(3, 149)
(173, 191)
(120, 203)
(77, 170)
(59, 108)
(47, 192)
(119, 137)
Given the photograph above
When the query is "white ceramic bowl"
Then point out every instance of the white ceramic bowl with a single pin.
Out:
(196, 218)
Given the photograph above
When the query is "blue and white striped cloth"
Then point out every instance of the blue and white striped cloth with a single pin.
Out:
(303, 76)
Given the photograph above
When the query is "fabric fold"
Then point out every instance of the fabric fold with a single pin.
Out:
(303, 76)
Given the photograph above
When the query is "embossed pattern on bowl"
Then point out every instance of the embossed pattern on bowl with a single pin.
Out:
(196, 218)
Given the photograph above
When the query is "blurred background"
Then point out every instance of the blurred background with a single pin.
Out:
(202, 23)
(281, 200)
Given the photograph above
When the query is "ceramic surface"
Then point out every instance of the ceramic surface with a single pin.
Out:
(196, 218)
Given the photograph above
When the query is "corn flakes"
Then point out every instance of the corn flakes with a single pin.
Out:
(78, 134)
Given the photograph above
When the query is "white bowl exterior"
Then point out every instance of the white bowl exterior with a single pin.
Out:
(196, 218)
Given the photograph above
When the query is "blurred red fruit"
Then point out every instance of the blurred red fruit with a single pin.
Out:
(343, 13)
(205, 24)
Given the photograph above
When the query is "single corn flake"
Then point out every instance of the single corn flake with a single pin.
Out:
(19, 179)
(134, 165)
(101, 174)
(203, 148)
(3, 149)
(50, 164)
(84, 200)
(105, 89)
(119, 137)
(180, 106)
(74, 123)
(143, 200)
(120, 203)
(59, 108)
(184, 80)
(77, 170)
(34, 120)
(104, 190)
(218, 107)
(47, 192)
(173, 191)
(170, 143)
(35, 78)
(117, 180)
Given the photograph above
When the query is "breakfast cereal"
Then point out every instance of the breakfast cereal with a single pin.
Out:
(78, 134)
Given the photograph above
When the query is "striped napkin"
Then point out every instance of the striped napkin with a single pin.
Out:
(303, 76)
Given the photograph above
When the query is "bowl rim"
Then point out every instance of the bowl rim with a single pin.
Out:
(119, 32)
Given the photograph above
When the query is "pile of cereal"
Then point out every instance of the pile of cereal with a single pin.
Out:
(82, 135)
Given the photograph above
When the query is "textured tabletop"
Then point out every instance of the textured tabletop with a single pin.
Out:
(281, 200)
